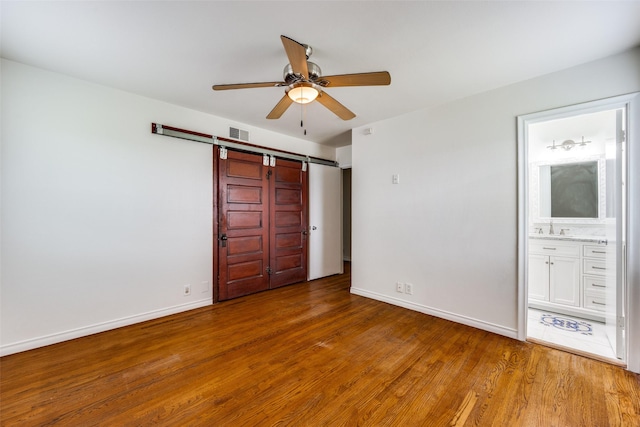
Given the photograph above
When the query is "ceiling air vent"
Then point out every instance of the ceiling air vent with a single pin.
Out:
(240, 134)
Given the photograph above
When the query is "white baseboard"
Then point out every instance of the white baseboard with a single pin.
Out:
(99, 327)
(469, 321)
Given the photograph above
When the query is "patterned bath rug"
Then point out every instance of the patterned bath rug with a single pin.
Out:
(564, 324)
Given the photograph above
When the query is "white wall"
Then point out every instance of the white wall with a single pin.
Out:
(343, 156)
(103, 223)
(450, 226)
(598, 128)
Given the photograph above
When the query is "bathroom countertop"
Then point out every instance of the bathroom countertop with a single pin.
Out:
(591, 239)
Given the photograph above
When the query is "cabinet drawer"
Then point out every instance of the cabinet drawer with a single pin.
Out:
(544, 247)
(593, 266)
(595, 302)
(596, 251)
(594, 284)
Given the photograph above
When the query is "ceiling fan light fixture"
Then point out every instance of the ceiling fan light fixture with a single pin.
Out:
(303, 93)
(304, 82)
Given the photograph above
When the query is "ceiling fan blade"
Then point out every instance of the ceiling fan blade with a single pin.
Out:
(336, 108)
(297, 55)
(280, 107)
(378, 78)
(248, 85)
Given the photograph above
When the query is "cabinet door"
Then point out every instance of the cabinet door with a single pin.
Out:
(564, 280)
(539, 277)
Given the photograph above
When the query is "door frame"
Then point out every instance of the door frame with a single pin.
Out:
(631, 102)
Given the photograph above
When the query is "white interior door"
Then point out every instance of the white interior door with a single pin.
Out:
(325, 221)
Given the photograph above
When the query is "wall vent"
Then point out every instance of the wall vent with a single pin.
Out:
(240, 134)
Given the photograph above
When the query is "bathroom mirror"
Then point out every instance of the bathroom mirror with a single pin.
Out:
(571, 191)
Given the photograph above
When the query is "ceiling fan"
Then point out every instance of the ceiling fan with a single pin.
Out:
(305, 83)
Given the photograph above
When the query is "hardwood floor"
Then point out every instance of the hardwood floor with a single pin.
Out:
(310, 354)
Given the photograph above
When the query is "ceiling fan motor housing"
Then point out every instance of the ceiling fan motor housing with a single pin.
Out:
(290, 77)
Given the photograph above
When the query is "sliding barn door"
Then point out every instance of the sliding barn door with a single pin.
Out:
(243, 243)
(288, 249)
(262, 220)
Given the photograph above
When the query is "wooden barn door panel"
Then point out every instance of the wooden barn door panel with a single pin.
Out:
(288, 214)
(262, 224)
(243, 225)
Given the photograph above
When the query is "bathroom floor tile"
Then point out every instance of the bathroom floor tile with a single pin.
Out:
(580, 334)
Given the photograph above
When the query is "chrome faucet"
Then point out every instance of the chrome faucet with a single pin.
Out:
(551, 228)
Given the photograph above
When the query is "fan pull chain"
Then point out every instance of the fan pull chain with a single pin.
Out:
(303, 111)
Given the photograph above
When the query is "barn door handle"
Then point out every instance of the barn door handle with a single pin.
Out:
(223, 240)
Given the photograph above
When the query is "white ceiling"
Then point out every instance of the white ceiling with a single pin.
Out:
(435, 51)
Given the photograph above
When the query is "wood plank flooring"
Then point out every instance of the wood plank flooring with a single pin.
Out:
(310, 354)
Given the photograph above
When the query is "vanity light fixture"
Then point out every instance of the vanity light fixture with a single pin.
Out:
(568, 144)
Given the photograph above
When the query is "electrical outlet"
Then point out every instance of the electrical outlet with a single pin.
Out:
(408, 288)
(399, 287)
(187, 290)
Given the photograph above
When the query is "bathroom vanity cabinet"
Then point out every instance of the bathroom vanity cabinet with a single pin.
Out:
(594, 276)
(568, 276)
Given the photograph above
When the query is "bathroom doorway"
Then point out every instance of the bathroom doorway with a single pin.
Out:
(574, 167)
